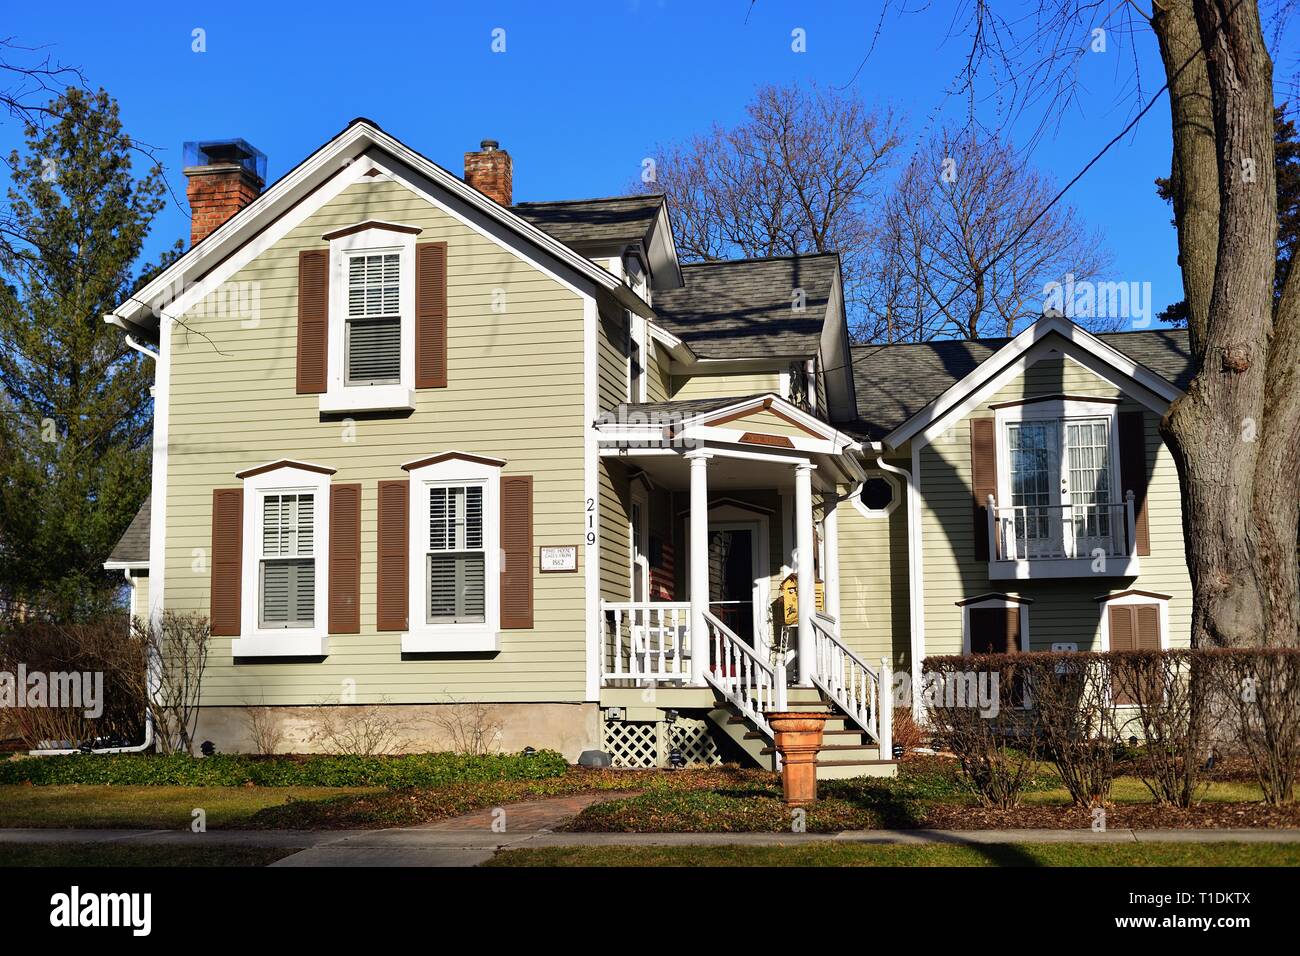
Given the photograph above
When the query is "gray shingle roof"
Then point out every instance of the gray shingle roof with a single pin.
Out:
(894, 382)
(683, 408)
(133, 546)
(743, 308)
(618, 219)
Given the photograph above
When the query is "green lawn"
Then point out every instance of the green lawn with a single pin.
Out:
(841, 854)
(1133, 790)
(117, 854)
(155, 808)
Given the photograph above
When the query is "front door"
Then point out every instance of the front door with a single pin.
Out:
(732, 578)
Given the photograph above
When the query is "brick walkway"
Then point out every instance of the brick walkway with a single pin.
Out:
(532, 815)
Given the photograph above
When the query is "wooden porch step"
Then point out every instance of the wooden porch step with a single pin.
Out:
(826, 747)
(847, 732)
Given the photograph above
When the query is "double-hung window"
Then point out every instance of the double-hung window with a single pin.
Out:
(373, 333)
(285, 558)
(287, 569)
(457, 559)
(454, 551)
(372, 301)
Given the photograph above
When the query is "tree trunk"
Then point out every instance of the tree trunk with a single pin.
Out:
(1235, 436)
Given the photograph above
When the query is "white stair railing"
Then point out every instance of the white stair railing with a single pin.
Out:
(647, 641)
(863, 693)
(747, 681)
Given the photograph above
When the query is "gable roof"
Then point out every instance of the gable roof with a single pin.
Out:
(895, 382)
(357, 140)
(612, 220)
(132, 549)
(743, 308)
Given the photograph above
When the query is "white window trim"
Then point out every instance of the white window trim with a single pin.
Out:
(255, 641)
(1108, 602)
(638, 282)
(995, 600)
(877, 514)
(420, 636)
(339, 397)
(1061, 410)
(639, 566)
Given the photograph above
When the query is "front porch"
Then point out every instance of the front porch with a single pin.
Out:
(733, 586)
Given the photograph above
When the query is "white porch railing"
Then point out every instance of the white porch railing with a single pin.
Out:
(860, 691)
(1046, 532)
(647, 641)
(750, 683)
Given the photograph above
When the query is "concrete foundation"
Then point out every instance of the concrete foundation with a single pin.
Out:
(420, 728)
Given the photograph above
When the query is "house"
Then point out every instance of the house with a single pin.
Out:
(418, 445)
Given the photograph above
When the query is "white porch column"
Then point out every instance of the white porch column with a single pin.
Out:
(831, 527)
(804, 570)
(699, 563)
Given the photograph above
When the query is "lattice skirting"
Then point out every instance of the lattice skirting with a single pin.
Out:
(646, 744)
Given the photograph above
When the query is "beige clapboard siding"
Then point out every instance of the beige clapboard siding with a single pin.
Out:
(615, 533)
(1064, 610)
(874, 587)
(723, 386)
(514, 391)
(658, 376)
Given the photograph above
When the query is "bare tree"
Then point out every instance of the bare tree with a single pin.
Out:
(969, 240)
(1235, 435)
(803, 173)
(178, 647)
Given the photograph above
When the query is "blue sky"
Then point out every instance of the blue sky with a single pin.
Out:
(582, 93)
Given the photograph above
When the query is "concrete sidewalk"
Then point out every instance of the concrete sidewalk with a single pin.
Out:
(463, 847)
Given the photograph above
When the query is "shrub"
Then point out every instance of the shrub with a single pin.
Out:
(103, 647)
(233, 770)
(1259, 691)
(991, 733)
(178, 654)
(1071, 695)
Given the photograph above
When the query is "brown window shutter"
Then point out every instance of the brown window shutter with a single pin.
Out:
(984, 479)
(1133, 473)
(517, 551)
(227, 559)
(1123, 637)
(391, 570)
(345, 559)
(1147, 626)
(431, 315)
(313, 319)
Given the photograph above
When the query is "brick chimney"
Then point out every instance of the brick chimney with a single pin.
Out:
(224, 177)
(490, 171)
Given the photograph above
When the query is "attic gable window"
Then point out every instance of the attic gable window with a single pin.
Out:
(373, 333)
(371, 347)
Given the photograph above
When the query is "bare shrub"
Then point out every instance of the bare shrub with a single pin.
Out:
(471, 728)
(1259, 689)
(360, 730)
(105, 647)
(266, 733)
(996, 745)
(178, 647)
(1168, 693)
(1071, 694)
(905, 731)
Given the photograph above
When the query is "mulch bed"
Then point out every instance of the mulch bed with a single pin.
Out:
(1134, 816)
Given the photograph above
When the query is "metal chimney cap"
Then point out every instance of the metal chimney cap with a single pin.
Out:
(489, 145)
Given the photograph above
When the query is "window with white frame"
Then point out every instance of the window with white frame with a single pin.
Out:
(371, 361)
(373, 326)
(1058, 493)
(454, 554)
(456, 558)
(286, 595)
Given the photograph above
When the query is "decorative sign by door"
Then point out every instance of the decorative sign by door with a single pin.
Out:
(558, 558)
